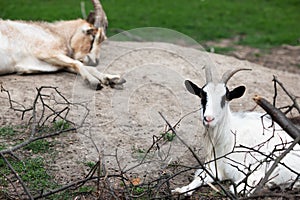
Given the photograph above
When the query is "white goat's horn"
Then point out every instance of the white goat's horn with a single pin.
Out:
(208, 74)
(98, 13)
(228, 74)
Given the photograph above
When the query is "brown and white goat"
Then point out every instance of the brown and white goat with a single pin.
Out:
(28, 47)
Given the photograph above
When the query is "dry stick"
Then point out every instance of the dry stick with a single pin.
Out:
(12, 101)
(278, 117)
(156, 142)
(231, 196)
(292, 97)
(122, 173)
(145, 156)
(275, 91)
(65, 187)
(54, 112)
(33, 108)
(17, 176)
(79, 183)
(13, 185)
(32, 139)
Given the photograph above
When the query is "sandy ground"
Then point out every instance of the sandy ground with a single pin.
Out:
(125, 120)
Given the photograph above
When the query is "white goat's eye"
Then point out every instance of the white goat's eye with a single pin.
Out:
(203, 99)
(223, 101)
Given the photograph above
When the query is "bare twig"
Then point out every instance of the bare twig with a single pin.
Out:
(17, 176)
(13, 185)
(70, 185)
(11, 102)
(291, 96)
(37, 123)
(33, 139)
(278, 117)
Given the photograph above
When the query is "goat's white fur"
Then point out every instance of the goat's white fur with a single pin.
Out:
(227, 132)
(35, 47)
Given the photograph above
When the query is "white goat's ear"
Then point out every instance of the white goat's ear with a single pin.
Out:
(235, 93)
(193, 88)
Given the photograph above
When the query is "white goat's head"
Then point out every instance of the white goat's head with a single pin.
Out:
(215, 96)
(85, 43)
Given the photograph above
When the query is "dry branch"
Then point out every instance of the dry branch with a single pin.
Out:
(17, 176)
(159, 188)
(41, 121)
(41, 113)
(291, 96)
(278, 117)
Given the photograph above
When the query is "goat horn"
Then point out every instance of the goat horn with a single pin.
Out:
(228, 74)
(208, 74)
(98, 13)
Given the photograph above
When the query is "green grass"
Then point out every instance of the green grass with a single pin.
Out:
(7, 131)
(32, 168)
(61, 125)
(36, 177)
(34, 174)
(262, 23)
(220, 50)
(39, 146)
(90, 164)
(31, 171)
(168, 136)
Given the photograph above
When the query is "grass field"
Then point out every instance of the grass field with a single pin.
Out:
(261, 23)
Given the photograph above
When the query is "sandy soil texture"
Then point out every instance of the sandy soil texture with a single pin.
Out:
(126, 119)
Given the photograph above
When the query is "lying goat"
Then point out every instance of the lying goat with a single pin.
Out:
(238, 144)
(74, 46)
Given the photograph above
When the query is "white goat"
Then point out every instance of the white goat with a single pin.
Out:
(238, 143)
(74, 46)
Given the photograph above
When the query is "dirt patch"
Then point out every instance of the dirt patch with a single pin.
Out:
(123, 122)
(284, 58)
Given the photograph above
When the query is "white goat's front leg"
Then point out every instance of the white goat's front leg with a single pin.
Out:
(243, 188)
(200, 179)
(190, 188)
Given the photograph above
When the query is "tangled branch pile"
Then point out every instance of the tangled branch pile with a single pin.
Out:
(49, 119)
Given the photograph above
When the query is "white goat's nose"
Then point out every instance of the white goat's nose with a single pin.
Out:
(208, 118)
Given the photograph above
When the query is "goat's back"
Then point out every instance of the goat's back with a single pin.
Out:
(258, 138)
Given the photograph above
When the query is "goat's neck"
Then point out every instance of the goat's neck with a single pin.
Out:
(219, 140)
(65, 30)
